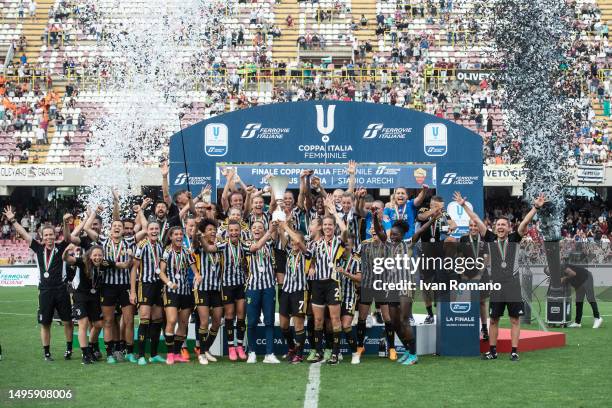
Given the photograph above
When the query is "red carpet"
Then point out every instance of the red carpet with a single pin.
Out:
(530, 340)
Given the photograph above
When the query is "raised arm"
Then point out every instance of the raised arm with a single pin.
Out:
(93, 235)
(116, 215)
(142, 221)
(66, 228)
(10, 216)
(295, 238)
(378, 228)
(302, 192)
(165, 170)
(351, 170)
(229, 176)
(270, 234)
(66, 257)
(421, 196)
(482, 228)
(537, 204)
(434, 216)
(360, 202)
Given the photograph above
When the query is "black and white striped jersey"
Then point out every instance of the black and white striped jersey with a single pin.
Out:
(117, 252)
(209, 265)
(233, 262)
(148, 255)
(132, 242)
(261, 268)
(245, 232)
(265, 218)
(310, 244)
(369, 250)
(177, 267)
(88, 285)
(352, 264)
(395, 250)
(296, 270)
(352, 222)
(325, 254)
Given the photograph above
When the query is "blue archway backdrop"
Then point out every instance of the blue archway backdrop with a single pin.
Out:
(334, 132)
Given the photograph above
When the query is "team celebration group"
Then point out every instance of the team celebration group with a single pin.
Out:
(229, 264)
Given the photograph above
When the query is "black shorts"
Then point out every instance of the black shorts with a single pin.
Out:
(515, 309)
(115, 295)
(347, 308)
(292, 304)
(325, 293)
(86, 305)
(150, 294)
(181, 302)
(209, 298)
(230, 294)
(50, 300)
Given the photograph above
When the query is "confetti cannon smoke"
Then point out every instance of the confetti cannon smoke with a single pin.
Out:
(156, 55)
(532, 40)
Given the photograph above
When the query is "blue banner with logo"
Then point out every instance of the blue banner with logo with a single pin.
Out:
(328, 132)
(383, 175)
(458, 324)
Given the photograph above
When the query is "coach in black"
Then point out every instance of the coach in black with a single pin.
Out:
(504, 270)
(53, 294)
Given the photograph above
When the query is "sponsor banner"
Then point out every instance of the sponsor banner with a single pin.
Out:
(335, 175)
(31, 173)
(19, 275)
(458, 324)
(473, 76)
(590, 173)
(330, 132)
(504, 175)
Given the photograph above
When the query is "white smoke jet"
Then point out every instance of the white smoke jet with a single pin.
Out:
(153, 53)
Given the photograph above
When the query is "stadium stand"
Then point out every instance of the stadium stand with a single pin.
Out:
(402, 52)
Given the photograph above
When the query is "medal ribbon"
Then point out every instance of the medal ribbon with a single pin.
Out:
(476, 247)
(433, 228)
(234, 251)
(502, 249)
(154, 253)
(331, 249)
(117, 250)
(178, 265)
(398, 214)
(293, 264)
(49, 258)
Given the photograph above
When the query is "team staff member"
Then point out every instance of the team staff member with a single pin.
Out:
(233, 263)
(208, 292)
(472, 246)
(145, 291)
(88, 278)
(52, 292)
(504, 270)
(403, 209)
(177, 294)
(325, 286)
(582, 281)
(260, 289)
(293, 296)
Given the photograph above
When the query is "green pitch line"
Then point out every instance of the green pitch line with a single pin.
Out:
(577, 375)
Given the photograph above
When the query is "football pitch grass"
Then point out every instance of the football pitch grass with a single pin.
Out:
(578, 375)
